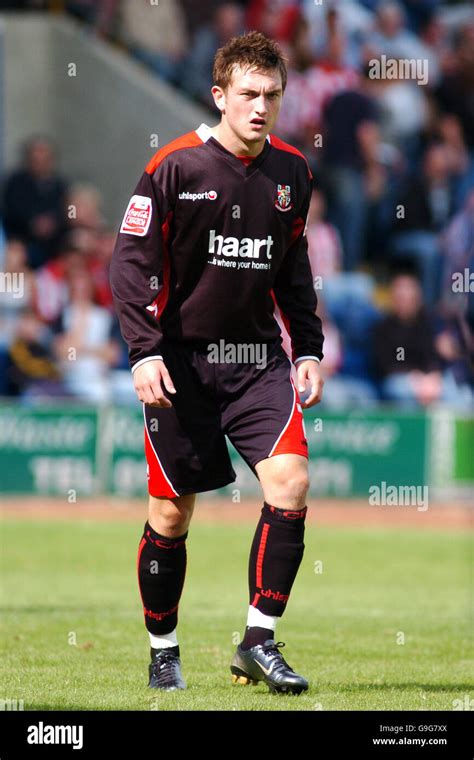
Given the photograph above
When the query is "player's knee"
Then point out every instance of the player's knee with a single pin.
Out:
(171, 515)
(298, 486)
(293, 487)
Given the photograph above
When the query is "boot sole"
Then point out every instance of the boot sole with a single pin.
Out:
(241, 677)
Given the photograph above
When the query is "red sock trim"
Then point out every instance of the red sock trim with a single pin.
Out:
(261, 553)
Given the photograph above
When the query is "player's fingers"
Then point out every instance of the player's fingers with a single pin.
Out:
(152, 394)
(316, 393)
(145, 394)
(168, 383)
(159, 398)
(301, 376)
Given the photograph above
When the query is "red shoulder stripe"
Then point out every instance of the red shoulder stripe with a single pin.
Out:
(281, 145)
(189, 140)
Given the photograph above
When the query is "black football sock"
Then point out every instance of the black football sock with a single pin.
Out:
(255, 635)
(275, 556)
(161, 572)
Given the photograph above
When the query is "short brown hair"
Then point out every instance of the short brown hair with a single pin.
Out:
(251, 50)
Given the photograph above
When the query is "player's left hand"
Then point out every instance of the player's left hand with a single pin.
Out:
(309, 372)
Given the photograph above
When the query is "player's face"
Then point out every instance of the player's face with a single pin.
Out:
(251, 103)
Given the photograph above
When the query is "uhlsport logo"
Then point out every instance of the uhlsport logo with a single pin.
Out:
(207, 195)
(283, 199)
(279, 597)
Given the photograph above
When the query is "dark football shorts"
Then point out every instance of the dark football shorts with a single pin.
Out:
(255, 404)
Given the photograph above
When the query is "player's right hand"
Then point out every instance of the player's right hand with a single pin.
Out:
(147, 380)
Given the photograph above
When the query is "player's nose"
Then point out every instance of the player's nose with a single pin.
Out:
(261, 107)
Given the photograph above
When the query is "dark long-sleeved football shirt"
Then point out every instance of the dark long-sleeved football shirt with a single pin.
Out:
(210, 249)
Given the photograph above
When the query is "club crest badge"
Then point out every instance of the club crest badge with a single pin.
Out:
(283, 199)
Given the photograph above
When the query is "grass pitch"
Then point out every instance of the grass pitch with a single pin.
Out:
(377, 619)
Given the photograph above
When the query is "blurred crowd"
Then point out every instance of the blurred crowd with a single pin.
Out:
(391, 222)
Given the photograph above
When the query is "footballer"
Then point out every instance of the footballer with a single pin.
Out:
(211, 250)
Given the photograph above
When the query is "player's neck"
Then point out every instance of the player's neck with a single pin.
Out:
(231, 142)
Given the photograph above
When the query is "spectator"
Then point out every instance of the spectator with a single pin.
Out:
(424, 209)
(155, 34)
(345, 16)
(275, 18)
(197, 14)
(329, 76)
(455, 348)
(404, 108)
(311, 85)
(420, 13)
(457, 245)
(351, 150)
(15, 296)
(83, 345)
(293, 119)
(454, 93)
(461, 164)
(434, 36)
(84, 207)
(51, 290)
(454, 97)
(342, 390)
(324, 242)
(34, 202)
(349, 300)
(390, 36)
(405, 353)
(98, 264)
(31, 369)
(197, 79)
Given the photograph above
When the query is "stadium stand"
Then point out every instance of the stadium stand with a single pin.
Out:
(375, 145)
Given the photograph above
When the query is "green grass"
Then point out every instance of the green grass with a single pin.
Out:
(61, 580)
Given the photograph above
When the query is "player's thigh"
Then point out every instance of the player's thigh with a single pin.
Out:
(185, 446)
(265, 421)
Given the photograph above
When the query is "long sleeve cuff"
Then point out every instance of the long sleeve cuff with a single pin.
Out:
(303, 358)
(142, 361)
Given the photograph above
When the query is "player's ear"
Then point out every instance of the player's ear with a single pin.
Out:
(219, 97)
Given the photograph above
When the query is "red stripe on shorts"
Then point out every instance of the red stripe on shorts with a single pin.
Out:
(292, 439)
(158, 483)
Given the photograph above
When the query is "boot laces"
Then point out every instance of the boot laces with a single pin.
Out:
(164, 660)
(274, 651)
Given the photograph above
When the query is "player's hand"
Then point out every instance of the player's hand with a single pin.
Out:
(148, 379)
(309, 372)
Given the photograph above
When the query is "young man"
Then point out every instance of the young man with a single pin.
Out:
(211, 245)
